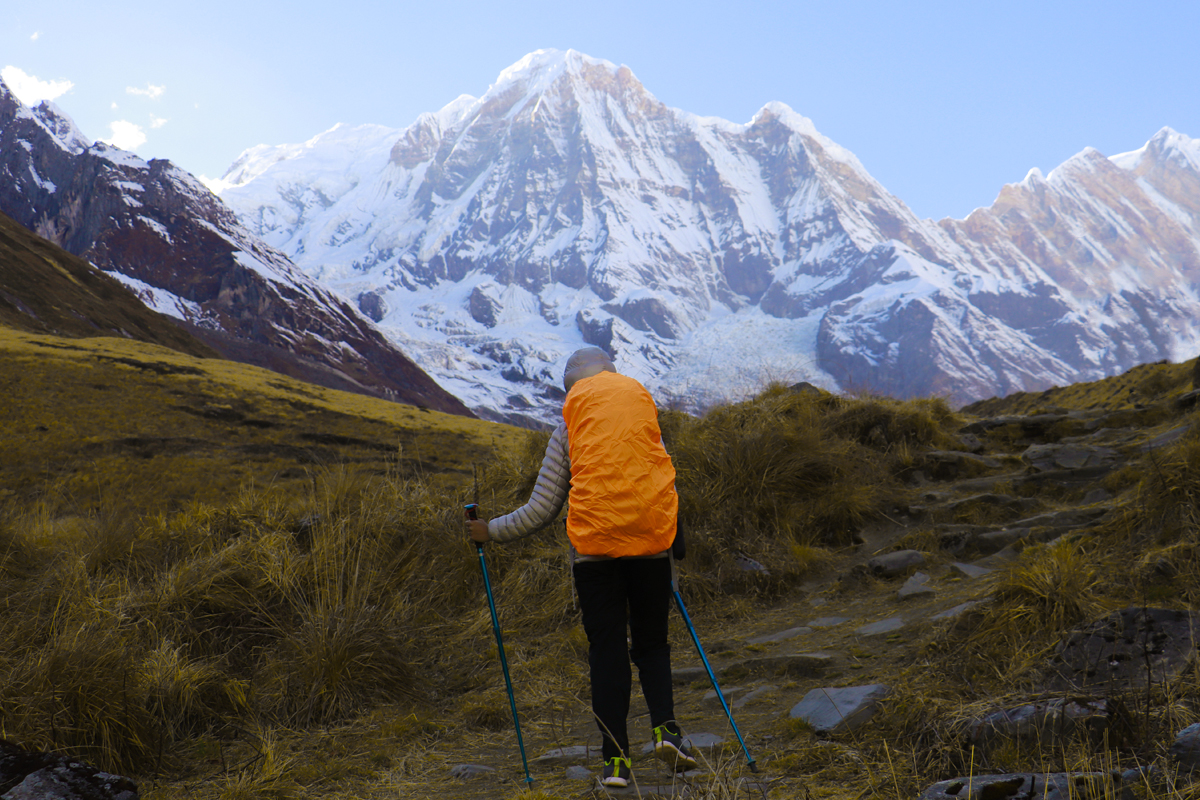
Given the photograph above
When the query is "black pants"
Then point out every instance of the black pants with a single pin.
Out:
(613, 594)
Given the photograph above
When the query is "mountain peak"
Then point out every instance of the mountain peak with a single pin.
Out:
(537, 72)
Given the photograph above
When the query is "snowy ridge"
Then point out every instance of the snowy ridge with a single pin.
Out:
(567, 205)
(185, 254)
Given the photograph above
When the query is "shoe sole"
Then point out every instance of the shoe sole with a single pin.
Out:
(665, 751)
(614, 783)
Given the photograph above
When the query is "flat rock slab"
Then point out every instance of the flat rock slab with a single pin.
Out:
(827, 622)
(782, 636)
(883, 626)
(467, 771)
(915, 586)
(1126, 650)
(799, 665)
(969, 570)
(569, 755)
(1072, 456)
(688, 674)
(836, 710)
(1036, 786)
(958, 610)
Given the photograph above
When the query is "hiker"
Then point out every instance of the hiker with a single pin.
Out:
(608, 454)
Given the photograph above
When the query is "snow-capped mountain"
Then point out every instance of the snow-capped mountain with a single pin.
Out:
(568, 205)
(184, 253)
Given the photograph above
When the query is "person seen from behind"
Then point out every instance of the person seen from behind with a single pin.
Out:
(607, 455)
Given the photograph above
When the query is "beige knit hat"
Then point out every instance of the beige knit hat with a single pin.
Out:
(585, 363)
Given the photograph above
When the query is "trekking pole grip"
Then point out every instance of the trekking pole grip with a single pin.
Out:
(472, 510)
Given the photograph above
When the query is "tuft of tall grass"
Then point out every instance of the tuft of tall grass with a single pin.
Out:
(786, 468)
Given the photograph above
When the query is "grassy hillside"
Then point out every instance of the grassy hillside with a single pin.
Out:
(45, 289)
(105, 420)
(232, 585)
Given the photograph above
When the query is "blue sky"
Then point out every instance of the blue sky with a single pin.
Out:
(943, 102)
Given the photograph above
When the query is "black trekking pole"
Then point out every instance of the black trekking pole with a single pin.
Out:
(487, 584)
(713, 678)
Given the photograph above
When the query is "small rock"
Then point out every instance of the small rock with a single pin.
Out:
(995, 541)
(915, 586)
(836, 710)
(710, 699)
(883, 626)
(892, 565)
(750, 565)
(578, 773)
(804, 387)
(750, 697)
(971, 442)
(468, 771)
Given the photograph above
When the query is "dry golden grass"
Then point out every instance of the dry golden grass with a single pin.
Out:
(234, 585)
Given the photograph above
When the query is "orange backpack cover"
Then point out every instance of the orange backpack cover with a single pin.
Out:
(622, 499)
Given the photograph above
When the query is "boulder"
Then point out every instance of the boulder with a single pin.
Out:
(31, 775)
(838, 710)
(1185, 750)
(1128, 649)
(1050, 723)
(893, 565)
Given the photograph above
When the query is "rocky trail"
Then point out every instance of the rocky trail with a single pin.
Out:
(825, 660)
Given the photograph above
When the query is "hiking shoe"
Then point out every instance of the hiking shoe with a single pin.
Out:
(669, 747)
(617, 772)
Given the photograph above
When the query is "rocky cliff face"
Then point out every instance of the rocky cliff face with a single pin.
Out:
(185, 253)
(568, 205)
